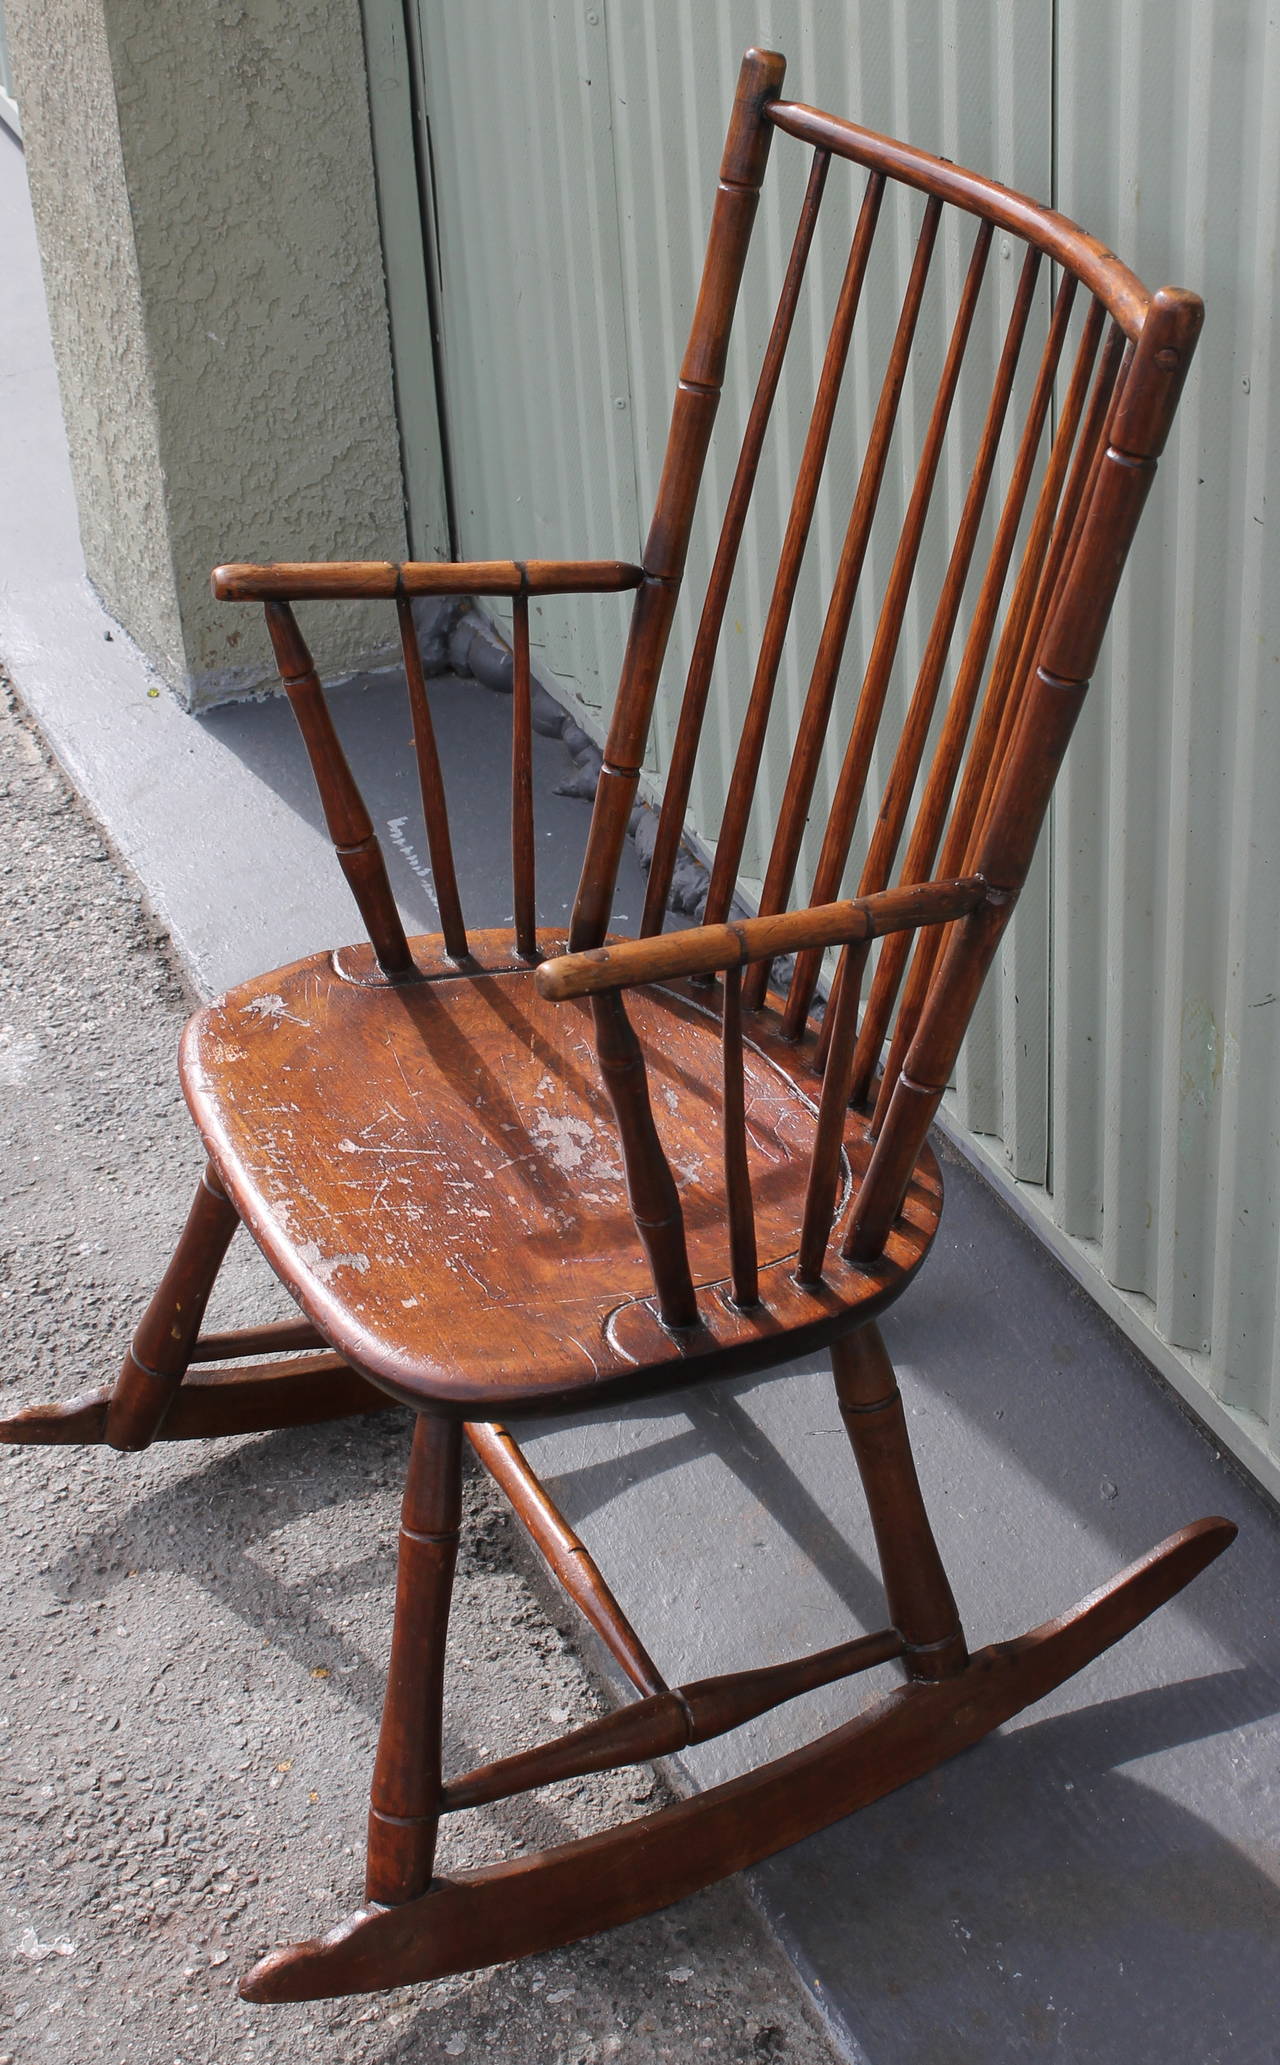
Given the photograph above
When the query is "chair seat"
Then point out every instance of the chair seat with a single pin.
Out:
(432, 1168)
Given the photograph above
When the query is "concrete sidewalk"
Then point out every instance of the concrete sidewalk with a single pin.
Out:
(1101, 1880)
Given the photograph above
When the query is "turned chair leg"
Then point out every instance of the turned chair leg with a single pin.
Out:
(404, 1811)
(158, 1357)
(921, 1604)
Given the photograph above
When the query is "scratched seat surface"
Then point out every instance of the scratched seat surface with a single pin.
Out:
(433, 1169)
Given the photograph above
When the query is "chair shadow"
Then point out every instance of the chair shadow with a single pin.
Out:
(204, 1525)
(720, 1427)
(1034, 1897)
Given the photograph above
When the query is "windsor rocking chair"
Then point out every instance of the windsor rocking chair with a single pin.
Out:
(390, 1121)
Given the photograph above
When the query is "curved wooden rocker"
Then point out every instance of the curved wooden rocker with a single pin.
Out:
(507, 1173)
(539, 1903)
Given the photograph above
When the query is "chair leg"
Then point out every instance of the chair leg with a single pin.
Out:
(157, 1359)
(406, 1794)
(921, 1604)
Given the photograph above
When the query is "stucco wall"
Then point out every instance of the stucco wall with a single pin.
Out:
(203, 187)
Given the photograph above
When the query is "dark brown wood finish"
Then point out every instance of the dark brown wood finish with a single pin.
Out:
(407, 1797)
(915, 1583)
(875, 683)
(535, 1903)
(742, 168)
(1060, 239)
(565, 1554)
(161, 1348)
(655, 1201)
(510, 1173)
(746, 768)
(1136, 433)
(522, 848)
(744, 1261)
(812, 732)
(839, 1032)
(955, 733)
(675, 795)
(358, 580)
(454, 1153)
(298, 1391)
(256, 1340)
(670, 1721)
(350, 827)
(707, 948)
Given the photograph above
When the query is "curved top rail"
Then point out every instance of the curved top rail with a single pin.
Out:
(1105, 275)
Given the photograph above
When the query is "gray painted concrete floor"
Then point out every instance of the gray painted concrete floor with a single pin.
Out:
(1100, 1881)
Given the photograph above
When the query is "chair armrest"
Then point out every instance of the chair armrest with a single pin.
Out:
(335, 580)
(706, 949)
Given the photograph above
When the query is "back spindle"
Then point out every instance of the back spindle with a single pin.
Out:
(1064, 657)
(522, 848)
(697, 398)
(891, 822)
(675, 799)
(435, 813)
(1050, 530)
(655, 1201)
(737, 1176)
(847, 800)
(350, 827)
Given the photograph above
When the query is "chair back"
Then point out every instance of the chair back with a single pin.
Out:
(937, 776)
(1009, 591)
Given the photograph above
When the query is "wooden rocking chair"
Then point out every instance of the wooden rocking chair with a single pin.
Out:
(390, 1121)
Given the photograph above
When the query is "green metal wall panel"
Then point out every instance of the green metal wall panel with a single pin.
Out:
(1166, 1119)
(535, 324)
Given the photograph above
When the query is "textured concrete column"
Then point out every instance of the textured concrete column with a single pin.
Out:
(202, 179)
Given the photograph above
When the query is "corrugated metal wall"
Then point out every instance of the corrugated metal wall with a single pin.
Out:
(1122, 1077)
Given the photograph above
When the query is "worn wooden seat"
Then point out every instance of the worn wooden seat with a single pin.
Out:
(416, 1158)
(501, 1173)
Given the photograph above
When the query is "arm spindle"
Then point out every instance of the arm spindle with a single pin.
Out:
(431, 786)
